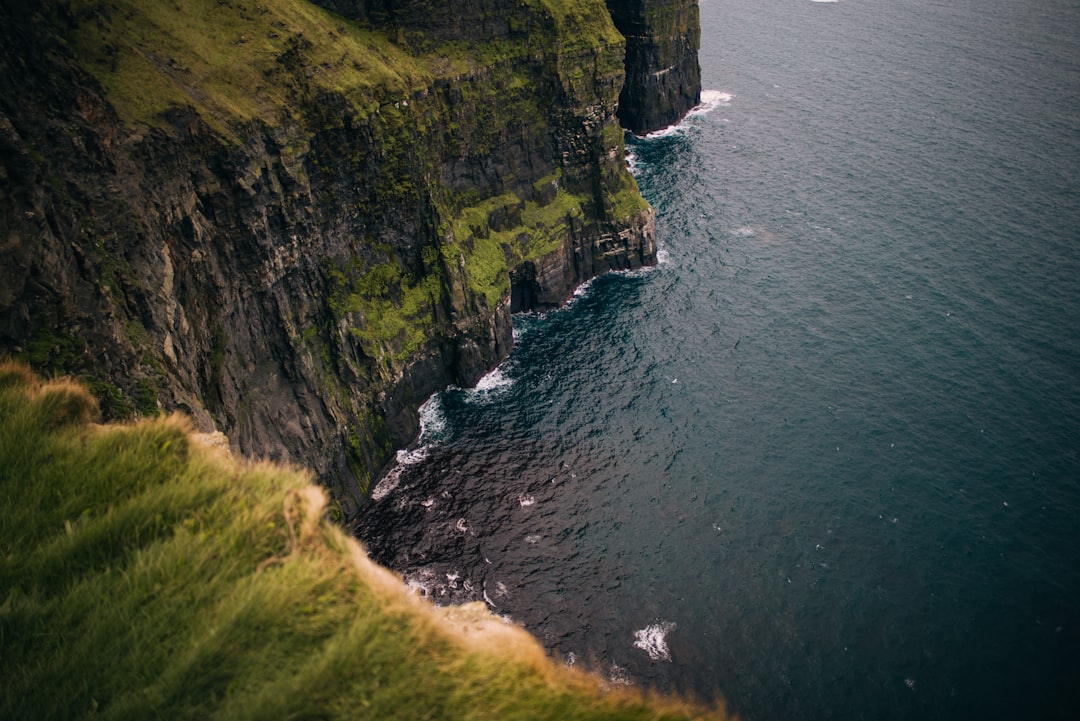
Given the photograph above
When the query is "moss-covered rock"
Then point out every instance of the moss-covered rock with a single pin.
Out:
(295, 225)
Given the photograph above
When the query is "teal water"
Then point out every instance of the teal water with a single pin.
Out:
(822, 460)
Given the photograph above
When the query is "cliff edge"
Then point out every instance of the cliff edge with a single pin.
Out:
(295, 222)
(146, 575)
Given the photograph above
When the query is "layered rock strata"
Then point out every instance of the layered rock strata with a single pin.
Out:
(295, 226)
(663, 77)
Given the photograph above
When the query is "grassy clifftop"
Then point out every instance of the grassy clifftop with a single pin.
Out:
(295, 226)
(144, 573)
(236, 61)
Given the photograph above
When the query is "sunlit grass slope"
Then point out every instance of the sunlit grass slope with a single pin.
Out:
(144, 574)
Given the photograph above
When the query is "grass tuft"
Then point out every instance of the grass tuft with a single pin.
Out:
(144, 573)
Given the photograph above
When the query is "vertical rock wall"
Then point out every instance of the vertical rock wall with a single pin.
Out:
(294, 226)
(663, 78)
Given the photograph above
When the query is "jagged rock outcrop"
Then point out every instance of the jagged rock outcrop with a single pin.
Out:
(295, 226)
(663, 77)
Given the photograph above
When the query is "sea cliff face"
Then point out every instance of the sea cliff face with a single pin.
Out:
(663, 77)
(292, 224)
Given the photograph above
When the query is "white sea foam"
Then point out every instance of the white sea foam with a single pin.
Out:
(432, 419)
(493, 381)
(432, 426)
(663, 257)
(392, 479)
(526, 500)
(417, 586)
(710, 101)
(632, 163)
(581, 291)
(665, 132)
(652, 640)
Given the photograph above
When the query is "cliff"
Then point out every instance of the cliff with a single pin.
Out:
(147, 575)
(663, 78)
(294, 224)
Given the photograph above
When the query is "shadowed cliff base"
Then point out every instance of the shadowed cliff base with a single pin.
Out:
(146, 573)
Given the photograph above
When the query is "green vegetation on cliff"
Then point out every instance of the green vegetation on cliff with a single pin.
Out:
(145, 573)
(235, 61)
(295, 225)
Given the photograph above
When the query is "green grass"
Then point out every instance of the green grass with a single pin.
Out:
(238, 63)
(144, 574)
(492, 253)
(232, 60)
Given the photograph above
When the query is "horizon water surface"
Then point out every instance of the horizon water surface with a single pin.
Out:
(823, 459)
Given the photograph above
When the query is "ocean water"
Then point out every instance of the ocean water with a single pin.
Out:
(823, 459)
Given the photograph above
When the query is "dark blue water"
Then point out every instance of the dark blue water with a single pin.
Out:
(823, 460)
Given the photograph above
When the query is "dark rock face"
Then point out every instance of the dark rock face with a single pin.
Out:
(427, 20)
(663, 78)
(302, 278)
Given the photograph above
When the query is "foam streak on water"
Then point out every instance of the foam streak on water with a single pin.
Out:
(833, 439)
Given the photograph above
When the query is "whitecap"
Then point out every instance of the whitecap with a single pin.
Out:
(532, 538)
(652, 640)
(493, 381)
(710, 101)
(461, 526)
(392, 478)
(432, 419)
(421, 582)
(663, 257)
(526, 500)
(636, 272)
(665, 132)
(581, 291)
